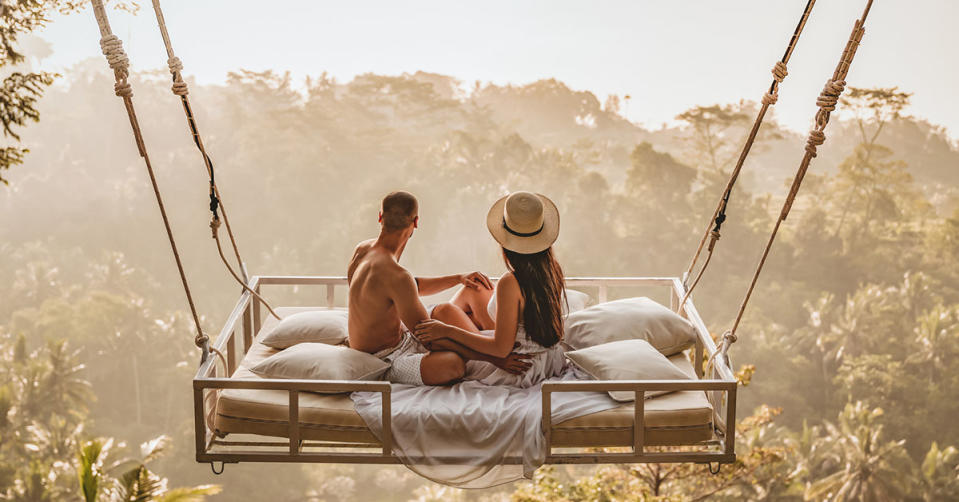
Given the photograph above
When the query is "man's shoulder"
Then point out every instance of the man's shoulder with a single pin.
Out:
(363, 247)
(382, 264)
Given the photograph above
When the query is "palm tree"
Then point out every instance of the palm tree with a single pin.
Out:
(129, 480)
(869, 469)
(936, 334)
(63, 384)
(939, 474)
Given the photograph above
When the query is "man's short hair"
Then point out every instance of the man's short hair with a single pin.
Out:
(399, 210)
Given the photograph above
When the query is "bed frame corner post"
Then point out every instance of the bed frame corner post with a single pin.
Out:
(247, 328)
(547, 422)
(330, 296)
(639, 422)
(199, 421)
(386, 398)
(257, 315)
(730, 438)
(294, 422)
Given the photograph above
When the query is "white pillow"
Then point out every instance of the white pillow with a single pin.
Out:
(319, 361)
(577, 301)
(628, 319)
(627, 360)
(320, 326)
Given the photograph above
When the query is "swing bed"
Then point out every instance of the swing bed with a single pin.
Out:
(243, 418)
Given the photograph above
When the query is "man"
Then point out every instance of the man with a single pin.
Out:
(384, 301)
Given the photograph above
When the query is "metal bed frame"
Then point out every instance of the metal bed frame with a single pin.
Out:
(236, 338)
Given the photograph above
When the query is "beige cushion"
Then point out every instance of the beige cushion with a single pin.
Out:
(626, 360)
(629, 319)
(319, 361)
(577, 300)
(320, 326)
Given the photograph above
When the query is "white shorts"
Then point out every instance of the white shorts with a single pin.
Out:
(405, 359)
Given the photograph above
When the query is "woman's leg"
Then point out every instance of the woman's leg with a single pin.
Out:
(454, 316)
(474, 303)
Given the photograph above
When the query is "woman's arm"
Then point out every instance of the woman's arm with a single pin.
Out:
(508, 299)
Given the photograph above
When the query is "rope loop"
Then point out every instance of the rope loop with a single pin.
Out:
(176, 66)
(770, 98)
(112, 48)
(714, 235)
(180, 88)
(780, 71)
(829, 96)
(214, 226)
(123, 89)
(730, 337)
(816, 138)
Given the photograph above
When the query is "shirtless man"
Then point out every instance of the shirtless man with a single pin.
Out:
(384, 300)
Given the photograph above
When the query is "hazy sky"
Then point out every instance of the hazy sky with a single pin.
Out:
(667, 55)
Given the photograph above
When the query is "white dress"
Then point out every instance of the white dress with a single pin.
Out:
(546, 362)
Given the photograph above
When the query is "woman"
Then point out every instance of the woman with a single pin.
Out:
(525, 313)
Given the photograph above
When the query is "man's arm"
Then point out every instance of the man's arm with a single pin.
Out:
(432, 285)
(408, 305)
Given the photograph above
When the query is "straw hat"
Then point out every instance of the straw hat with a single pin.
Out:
(524, 222)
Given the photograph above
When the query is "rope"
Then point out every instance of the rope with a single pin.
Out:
(214, 226)
(826, 102)
(714, 227)
(217, 207)
(120, 64)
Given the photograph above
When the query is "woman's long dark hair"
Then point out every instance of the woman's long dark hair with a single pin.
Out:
(542, 285)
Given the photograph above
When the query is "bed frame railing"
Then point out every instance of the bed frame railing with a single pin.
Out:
(236, 338)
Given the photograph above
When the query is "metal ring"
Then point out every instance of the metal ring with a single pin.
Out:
(719, 466)
(213, 467)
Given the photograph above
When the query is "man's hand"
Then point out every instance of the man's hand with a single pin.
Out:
(514, 363)
(475, 280)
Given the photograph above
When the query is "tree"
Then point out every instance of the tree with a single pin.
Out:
(866, 467)
(21, 88)
(760, 472)
(710, 135)
(130, 480)
(939, 474)
(871, 187)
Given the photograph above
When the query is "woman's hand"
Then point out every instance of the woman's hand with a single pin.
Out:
(431, 330)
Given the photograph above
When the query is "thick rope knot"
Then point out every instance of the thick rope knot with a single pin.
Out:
(112, 48)
(176, 66)
(180, 88)
(780, 72)
(770, 98)
(829, 96)
(201, 340)
(123, 89)
(816, 138)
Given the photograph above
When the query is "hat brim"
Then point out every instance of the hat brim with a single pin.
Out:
(524, 245)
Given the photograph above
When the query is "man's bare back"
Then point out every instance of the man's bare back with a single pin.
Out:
(375, 277)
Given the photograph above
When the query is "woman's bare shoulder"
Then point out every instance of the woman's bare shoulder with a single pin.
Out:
(507, 284)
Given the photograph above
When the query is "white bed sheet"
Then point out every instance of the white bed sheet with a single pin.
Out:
(479, 425)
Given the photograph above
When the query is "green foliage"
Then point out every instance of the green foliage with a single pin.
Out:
(20, 91)
(869, 467)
